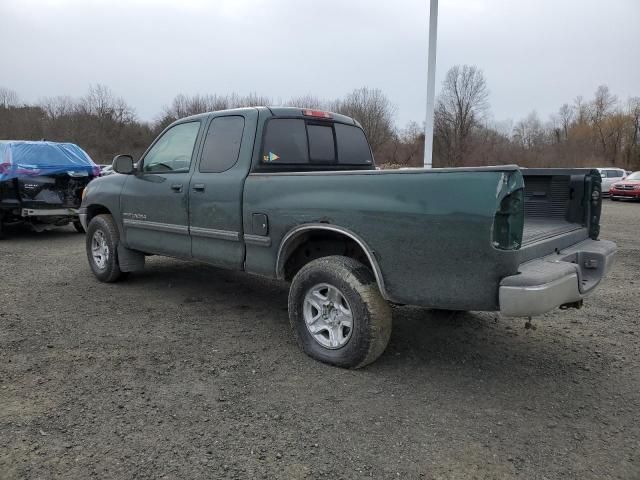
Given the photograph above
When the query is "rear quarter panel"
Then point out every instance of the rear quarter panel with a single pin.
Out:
(430, 231)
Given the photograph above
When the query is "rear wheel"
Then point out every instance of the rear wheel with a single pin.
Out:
(337, 313)
(102, 248)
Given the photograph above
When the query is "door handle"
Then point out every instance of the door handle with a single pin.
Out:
(176, 187)
(198, 187)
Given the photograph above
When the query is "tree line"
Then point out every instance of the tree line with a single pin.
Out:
(601, 131)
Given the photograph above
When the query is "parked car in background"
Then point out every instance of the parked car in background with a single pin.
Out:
(629, 188)
(41, 183)
(609, 177)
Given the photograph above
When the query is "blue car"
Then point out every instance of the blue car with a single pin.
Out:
(41, 183)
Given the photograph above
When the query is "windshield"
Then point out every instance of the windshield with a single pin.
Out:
(634, 176)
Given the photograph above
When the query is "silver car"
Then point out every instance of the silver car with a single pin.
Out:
(609, 177)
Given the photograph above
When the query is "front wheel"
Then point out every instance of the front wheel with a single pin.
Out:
(337, 313)
(101, 245)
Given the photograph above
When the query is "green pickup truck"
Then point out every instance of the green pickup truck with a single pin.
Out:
(294, 194)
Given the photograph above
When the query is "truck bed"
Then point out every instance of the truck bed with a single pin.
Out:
(552, 205)
(537, 229)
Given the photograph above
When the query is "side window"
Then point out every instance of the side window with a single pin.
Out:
(614, 174)
(322, 148)
(173, 151)
(353, 148)
(222, 144)
(285, 142)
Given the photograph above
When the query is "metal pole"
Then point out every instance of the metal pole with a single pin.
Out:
(431, 84)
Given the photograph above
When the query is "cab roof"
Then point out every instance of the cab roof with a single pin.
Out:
(281, 112)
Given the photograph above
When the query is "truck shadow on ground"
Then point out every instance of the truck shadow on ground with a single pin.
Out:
(472, 341)
(24, 233)
(484, 341)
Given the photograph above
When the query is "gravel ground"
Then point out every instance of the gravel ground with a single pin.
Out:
(186, 371)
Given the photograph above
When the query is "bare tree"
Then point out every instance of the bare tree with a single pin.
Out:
(8, 98)
(529, 133)
(565, 117)
(634, 113)
(581, 110)
(101, 102)
(308, 101)
(184, 105)
(632, 140)
(608, 129)
(56, 107)
(461, 104)
(373, 110)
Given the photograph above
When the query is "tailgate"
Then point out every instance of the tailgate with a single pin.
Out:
(561, 208)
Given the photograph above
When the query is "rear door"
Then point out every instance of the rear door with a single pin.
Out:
(215, 191)
(154, 201)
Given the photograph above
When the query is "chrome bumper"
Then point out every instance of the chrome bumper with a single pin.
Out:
(559, 279)
(49, 212)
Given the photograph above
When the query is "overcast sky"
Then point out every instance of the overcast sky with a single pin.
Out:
(536, 54)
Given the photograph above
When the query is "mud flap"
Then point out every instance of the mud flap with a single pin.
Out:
(130, 260)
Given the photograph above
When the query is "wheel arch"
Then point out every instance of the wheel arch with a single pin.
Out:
(304, 234)
(96, 209)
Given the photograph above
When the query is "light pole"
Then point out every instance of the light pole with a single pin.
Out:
(431, 84)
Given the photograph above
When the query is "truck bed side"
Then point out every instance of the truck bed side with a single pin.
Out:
(410, 221)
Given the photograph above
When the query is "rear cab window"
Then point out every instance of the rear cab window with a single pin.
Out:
(310, 144)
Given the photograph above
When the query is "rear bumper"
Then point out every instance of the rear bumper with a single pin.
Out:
(562, 278)
(49, 212)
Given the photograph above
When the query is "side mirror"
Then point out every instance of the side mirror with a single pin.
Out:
(123, 164)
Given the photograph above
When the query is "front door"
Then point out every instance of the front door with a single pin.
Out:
(215, 191)
(155, 200)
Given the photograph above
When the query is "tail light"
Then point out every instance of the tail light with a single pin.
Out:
(509, 222)
(595, 194)
(316, 113)
(4, 168)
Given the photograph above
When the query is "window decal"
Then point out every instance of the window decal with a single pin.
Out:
(271, 157)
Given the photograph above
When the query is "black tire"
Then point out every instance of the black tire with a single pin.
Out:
(371, 314)
(103, 225)
(78, 226)
(613, 199)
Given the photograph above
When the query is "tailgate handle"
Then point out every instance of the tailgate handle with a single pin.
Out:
(176, 187)
(198, 187)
